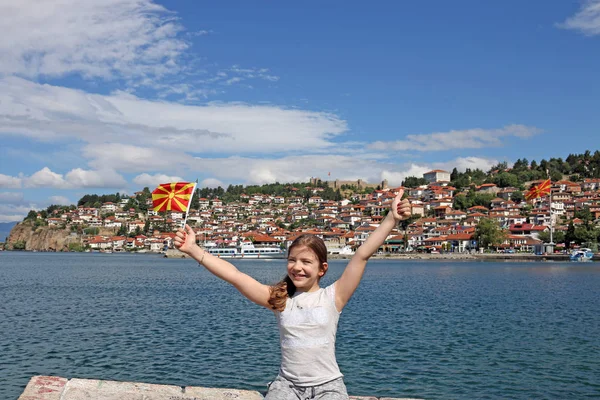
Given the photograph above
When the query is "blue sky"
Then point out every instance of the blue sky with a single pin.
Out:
(116, 95)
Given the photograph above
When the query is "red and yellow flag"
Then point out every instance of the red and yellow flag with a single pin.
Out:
(174, 196)
(540, 190)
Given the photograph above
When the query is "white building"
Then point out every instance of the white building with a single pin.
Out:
(437, 175)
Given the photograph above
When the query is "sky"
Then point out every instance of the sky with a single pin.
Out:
(113, 96)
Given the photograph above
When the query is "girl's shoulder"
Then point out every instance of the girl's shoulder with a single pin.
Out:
(330, 291)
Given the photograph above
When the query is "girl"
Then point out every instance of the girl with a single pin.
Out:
(307, 315)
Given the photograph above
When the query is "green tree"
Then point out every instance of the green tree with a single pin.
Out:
(506, 179)
(584, 214)
(413, 182)
(570, 235)
(557, 236)
(584, 235)
(122, 230)
(31, 216)
(20, 245)
(488, 233)
(556, 175)
(481, 199)
(461, 202)
(454, 175)
(74, 246)
(517, 196)
(91, 231)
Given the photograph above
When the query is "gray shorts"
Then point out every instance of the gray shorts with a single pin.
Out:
(282, 389)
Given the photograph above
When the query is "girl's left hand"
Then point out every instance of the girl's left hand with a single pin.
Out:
(401, 209)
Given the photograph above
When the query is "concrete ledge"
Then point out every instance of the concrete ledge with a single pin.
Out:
(44, 388)
(57, 388)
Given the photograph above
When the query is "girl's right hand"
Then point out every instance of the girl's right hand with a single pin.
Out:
(401, 209)
(185, 240)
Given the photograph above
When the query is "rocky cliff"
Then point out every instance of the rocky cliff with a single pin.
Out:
(43, 238)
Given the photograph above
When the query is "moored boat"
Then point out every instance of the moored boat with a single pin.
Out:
(581, 255)
(247, 250)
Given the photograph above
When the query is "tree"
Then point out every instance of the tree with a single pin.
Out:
(122, 230)
(585, 214)
(506, 179)
(31, 216)
(454, 175)
(19, 245)
(461, 202)
(584, 235)
(557, 236)
(570, 235)
(488, 233)
(481, 199)
(413, 182)
(517, 196)
(534, 165)
(556, 175)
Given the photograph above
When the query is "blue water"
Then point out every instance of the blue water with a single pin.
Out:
(433, 330)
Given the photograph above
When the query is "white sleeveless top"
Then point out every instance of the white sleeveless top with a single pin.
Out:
(307, 331)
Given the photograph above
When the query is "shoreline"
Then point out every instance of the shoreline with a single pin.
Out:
(466, 257)
(514, 257)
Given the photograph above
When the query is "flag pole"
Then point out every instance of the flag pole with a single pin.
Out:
(551, 219)
(187, 211)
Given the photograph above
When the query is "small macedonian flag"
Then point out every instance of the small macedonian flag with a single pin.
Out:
(539, 190)
(174, 196)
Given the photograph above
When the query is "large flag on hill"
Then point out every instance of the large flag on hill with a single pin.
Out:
(174, 196)
(539, 190)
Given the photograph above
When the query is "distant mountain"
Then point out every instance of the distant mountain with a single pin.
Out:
(5, 228)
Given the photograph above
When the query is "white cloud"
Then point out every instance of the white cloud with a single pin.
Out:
(45, 178)
(9, 182)
(75, 178)
(342, 167)
(106, 39)
(417, 170)
(112, 124)
(152, 181)
(233, 80)
(586, 20)
(12, 213)
(11, 198)
(462, 163)
(211, 183)
(395, 178)
(60, 200)
(105, 178)
(457, 139)
(14, 207)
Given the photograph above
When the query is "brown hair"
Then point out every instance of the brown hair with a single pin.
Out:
(286, 288)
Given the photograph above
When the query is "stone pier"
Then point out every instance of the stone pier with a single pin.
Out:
(57, 388)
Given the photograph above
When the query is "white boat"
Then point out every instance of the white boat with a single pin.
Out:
(346, 250)
(581, 255)
(247, 250)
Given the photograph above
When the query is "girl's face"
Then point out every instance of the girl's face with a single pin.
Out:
(304, 269)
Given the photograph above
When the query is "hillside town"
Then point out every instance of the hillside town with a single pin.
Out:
(268, 220)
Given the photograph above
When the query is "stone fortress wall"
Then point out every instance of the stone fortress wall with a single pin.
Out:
(359, 183)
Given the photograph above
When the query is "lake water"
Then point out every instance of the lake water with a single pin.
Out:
(433, 330)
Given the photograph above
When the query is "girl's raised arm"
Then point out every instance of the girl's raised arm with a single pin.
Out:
(185, 241)
(348, 282)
